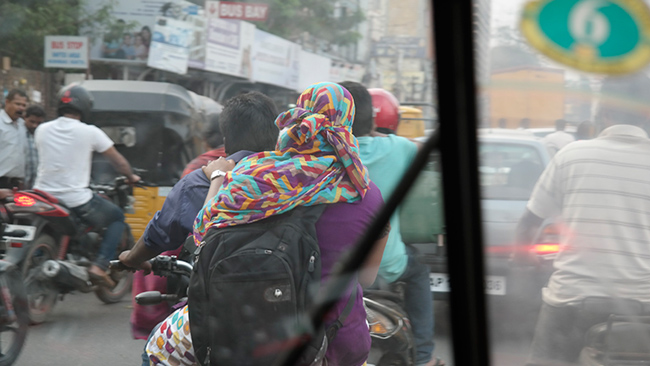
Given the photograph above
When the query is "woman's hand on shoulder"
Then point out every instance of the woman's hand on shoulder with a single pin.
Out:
(223, 164)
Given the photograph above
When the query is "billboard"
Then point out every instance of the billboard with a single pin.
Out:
(128, 39)
(229, 47)
(275, 60)
(68, 52)
(314, 69)
(170, 45)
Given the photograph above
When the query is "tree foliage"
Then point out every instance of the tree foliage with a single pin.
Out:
(25, 23)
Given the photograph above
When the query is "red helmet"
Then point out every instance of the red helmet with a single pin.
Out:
(386, 108)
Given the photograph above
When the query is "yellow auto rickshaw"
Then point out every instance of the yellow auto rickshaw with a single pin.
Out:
(413, 122)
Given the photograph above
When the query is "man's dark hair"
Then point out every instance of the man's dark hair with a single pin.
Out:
(35, 110)
(247, 123)
(585, 130)
(13, 92)
(623, 100)
(560, 124)
(362, 124)
(68, 110)
(213, 135)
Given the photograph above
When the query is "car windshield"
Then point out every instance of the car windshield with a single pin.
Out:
(509, 170)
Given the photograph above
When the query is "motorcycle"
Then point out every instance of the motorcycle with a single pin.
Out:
(393, 342)
(392, 339)
(56, 262)
(14, 317)
(621, 334)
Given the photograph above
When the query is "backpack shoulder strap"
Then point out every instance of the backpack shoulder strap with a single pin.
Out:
(338, 324)
(309, 213)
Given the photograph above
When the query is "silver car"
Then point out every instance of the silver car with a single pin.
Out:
(510, 162)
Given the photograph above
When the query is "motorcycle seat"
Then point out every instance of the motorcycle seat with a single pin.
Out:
(621, 338)
(46, 195)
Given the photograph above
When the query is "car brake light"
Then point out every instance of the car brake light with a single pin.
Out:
(548, 241)
(16, 245)
(542, 249)
(24, 200)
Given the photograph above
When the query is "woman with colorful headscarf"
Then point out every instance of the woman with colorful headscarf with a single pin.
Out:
(316, 161)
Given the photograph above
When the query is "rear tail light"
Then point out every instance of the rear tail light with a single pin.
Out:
(15, 244)
(543, 249)
(23, 200)
(548, 241)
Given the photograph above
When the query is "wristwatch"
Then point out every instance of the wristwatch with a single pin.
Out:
(216, 174)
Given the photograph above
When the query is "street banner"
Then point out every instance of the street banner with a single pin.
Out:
(170, 45)
(276, 61)
(229, 47)
(241, 11)
(313, 69)
(66, 52)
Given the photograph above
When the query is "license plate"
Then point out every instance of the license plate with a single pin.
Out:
(494, 285)
(30, 232)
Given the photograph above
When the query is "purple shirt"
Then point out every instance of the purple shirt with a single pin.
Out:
(338, 229)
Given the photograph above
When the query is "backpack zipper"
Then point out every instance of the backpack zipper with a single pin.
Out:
(312, 262)
(197, 252)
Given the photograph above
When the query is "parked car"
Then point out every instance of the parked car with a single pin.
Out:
(510, 162)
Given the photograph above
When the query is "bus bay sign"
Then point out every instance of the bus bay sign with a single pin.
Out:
(236, 10)
(600, 36)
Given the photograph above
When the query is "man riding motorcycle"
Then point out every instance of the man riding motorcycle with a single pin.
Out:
(598, 190)
(65, 147)
(174, 222)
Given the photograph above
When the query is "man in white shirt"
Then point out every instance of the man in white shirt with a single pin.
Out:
(13, 139)
(558, 139)
(598, 191)
(65, 147)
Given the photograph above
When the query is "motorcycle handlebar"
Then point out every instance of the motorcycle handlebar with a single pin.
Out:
(161, 265)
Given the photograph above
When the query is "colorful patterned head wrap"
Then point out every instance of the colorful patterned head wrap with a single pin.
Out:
(316, 161)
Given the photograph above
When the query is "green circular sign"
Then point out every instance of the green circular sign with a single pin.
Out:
(603, 36)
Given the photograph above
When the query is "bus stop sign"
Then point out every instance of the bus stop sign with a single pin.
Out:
(600, 36)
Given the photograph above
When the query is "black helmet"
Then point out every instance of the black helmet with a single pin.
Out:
(77, 98)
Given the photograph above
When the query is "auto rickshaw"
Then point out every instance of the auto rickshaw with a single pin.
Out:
(413, 122)
(158, 128)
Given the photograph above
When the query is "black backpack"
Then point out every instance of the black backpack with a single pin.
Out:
(251, 289)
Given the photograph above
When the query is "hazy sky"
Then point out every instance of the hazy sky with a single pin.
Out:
(505, 12)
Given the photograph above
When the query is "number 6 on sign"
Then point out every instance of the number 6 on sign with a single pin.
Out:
(603, 36)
